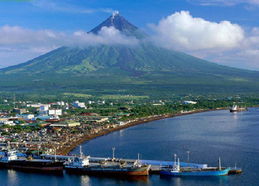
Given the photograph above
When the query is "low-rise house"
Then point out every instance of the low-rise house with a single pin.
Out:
(55, 112)
(66, 124)
(20, 111)
(101, 120)
(78, 104)
(6, 122)
(190, 102)
(38, 105)
(26, 116)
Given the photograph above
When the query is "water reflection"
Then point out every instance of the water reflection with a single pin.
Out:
(121, 132)
(85, 180)
(12, 177)
(181, 181)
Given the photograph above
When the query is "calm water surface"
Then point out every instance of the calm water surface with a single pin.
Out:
(233, 137)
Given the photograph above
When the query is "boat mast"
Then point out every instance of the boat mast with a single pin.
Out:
(178, 166)
(175, 159)
(113, 153)
(219, 163)
(188, 156)
(81, 153)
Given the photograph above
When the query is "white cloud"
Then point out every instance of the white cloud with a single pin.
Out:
(18, 44)
(107, 35)
(224, 42)
(182, 31)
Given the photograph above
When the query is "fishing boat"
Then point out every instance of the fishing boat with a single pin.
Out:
(236, 108)
(113, 167)
(176, 170)
(10, 161)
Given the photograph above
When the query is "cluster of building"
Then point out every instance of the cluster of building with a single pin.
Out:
(49, 128)
(52, 127)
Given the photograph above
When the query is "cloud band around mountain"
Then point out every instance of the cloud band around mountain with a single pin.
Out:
(32, 43)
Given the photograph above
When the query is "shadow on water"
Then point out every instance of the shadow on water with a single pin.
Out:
(179, 181)
(22, 171)
(142, 179)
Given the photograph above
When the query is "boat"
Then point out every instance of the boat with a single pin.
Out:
(236, 108)
(10, 161)
(235, 170)
(112, 167)
(176, 170)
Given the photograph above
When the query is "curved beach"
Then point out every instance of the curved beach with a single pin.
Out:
(87, 137)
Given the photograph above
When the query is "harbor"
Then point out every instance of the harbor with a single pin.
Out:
(81, 164)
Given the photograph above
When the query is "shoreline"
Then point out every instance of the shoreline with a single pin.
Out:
(88, 137)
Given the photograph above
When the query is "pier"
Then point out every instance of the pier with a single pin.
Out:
(156, 165)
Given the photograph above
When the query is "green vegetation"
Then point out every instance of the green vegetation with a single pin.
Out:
(121, 70)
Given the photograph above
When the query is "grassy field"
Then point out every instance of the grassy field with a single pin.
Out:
(79, 95)
(123, 97)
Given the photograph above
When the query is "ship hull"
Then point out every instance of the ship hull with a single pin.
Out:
(27, 165)
(142, 171)
(196, 173)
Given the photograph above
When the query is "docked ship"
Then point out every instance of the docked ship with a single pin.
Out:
(176, 170)
(113, 167)
(236, 108)
(11, 161)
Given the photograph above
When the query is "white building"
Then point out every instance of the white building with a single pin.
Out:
(44, 108)
(38, 105)
(55, 112)
(190, 102)
(66, 124)
(78, 104)
(6, 122)
(61, 103)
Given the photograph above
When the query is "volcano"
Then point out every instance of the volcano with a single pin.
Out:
(144, 66)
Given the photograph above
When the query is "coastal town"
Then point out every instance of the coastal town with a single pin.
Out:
(58, 127)
(39, 136)
(50, 128)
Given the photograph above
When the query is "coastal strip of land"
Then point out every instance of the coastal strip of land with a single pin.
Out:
(66, 150)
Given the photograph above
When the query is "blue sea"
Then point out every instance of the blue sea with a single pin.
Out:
(232, 136)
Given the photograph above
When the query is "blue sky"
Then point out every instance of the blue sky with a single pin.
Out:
(66, 15)
(23, 22)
